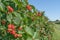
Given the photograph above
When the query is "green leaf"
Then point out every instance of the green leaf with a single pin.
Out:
(1, 7)
(29, 31)
(9, 18)
(33, 7)
(0, 14)
(29, 38)
(16, 14)
(15, 1)
(45, 38)
(16, 20)
(36, 35)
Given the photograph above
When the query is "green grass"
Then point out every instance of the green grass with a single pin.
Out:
(56, 35)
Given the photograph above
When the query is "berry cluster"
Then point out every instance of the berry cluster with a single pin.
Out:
(11, 30)
(29, 7)
(10, 9)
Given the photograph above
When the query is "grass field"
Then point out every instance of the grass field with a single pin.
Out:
(56, 35)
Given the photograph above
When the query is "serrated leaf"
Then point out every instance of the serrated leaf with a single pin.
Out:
(29, 31)
(16, 20)
(9, 17)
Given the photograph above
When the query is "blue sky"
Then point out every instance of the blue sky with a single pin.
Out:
(51, 7)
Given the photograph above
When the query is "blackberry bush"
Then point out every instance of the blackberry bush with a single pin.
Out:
(20, 20)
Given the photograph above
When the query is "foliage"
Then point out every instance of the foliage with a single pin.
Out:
(21, 21)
